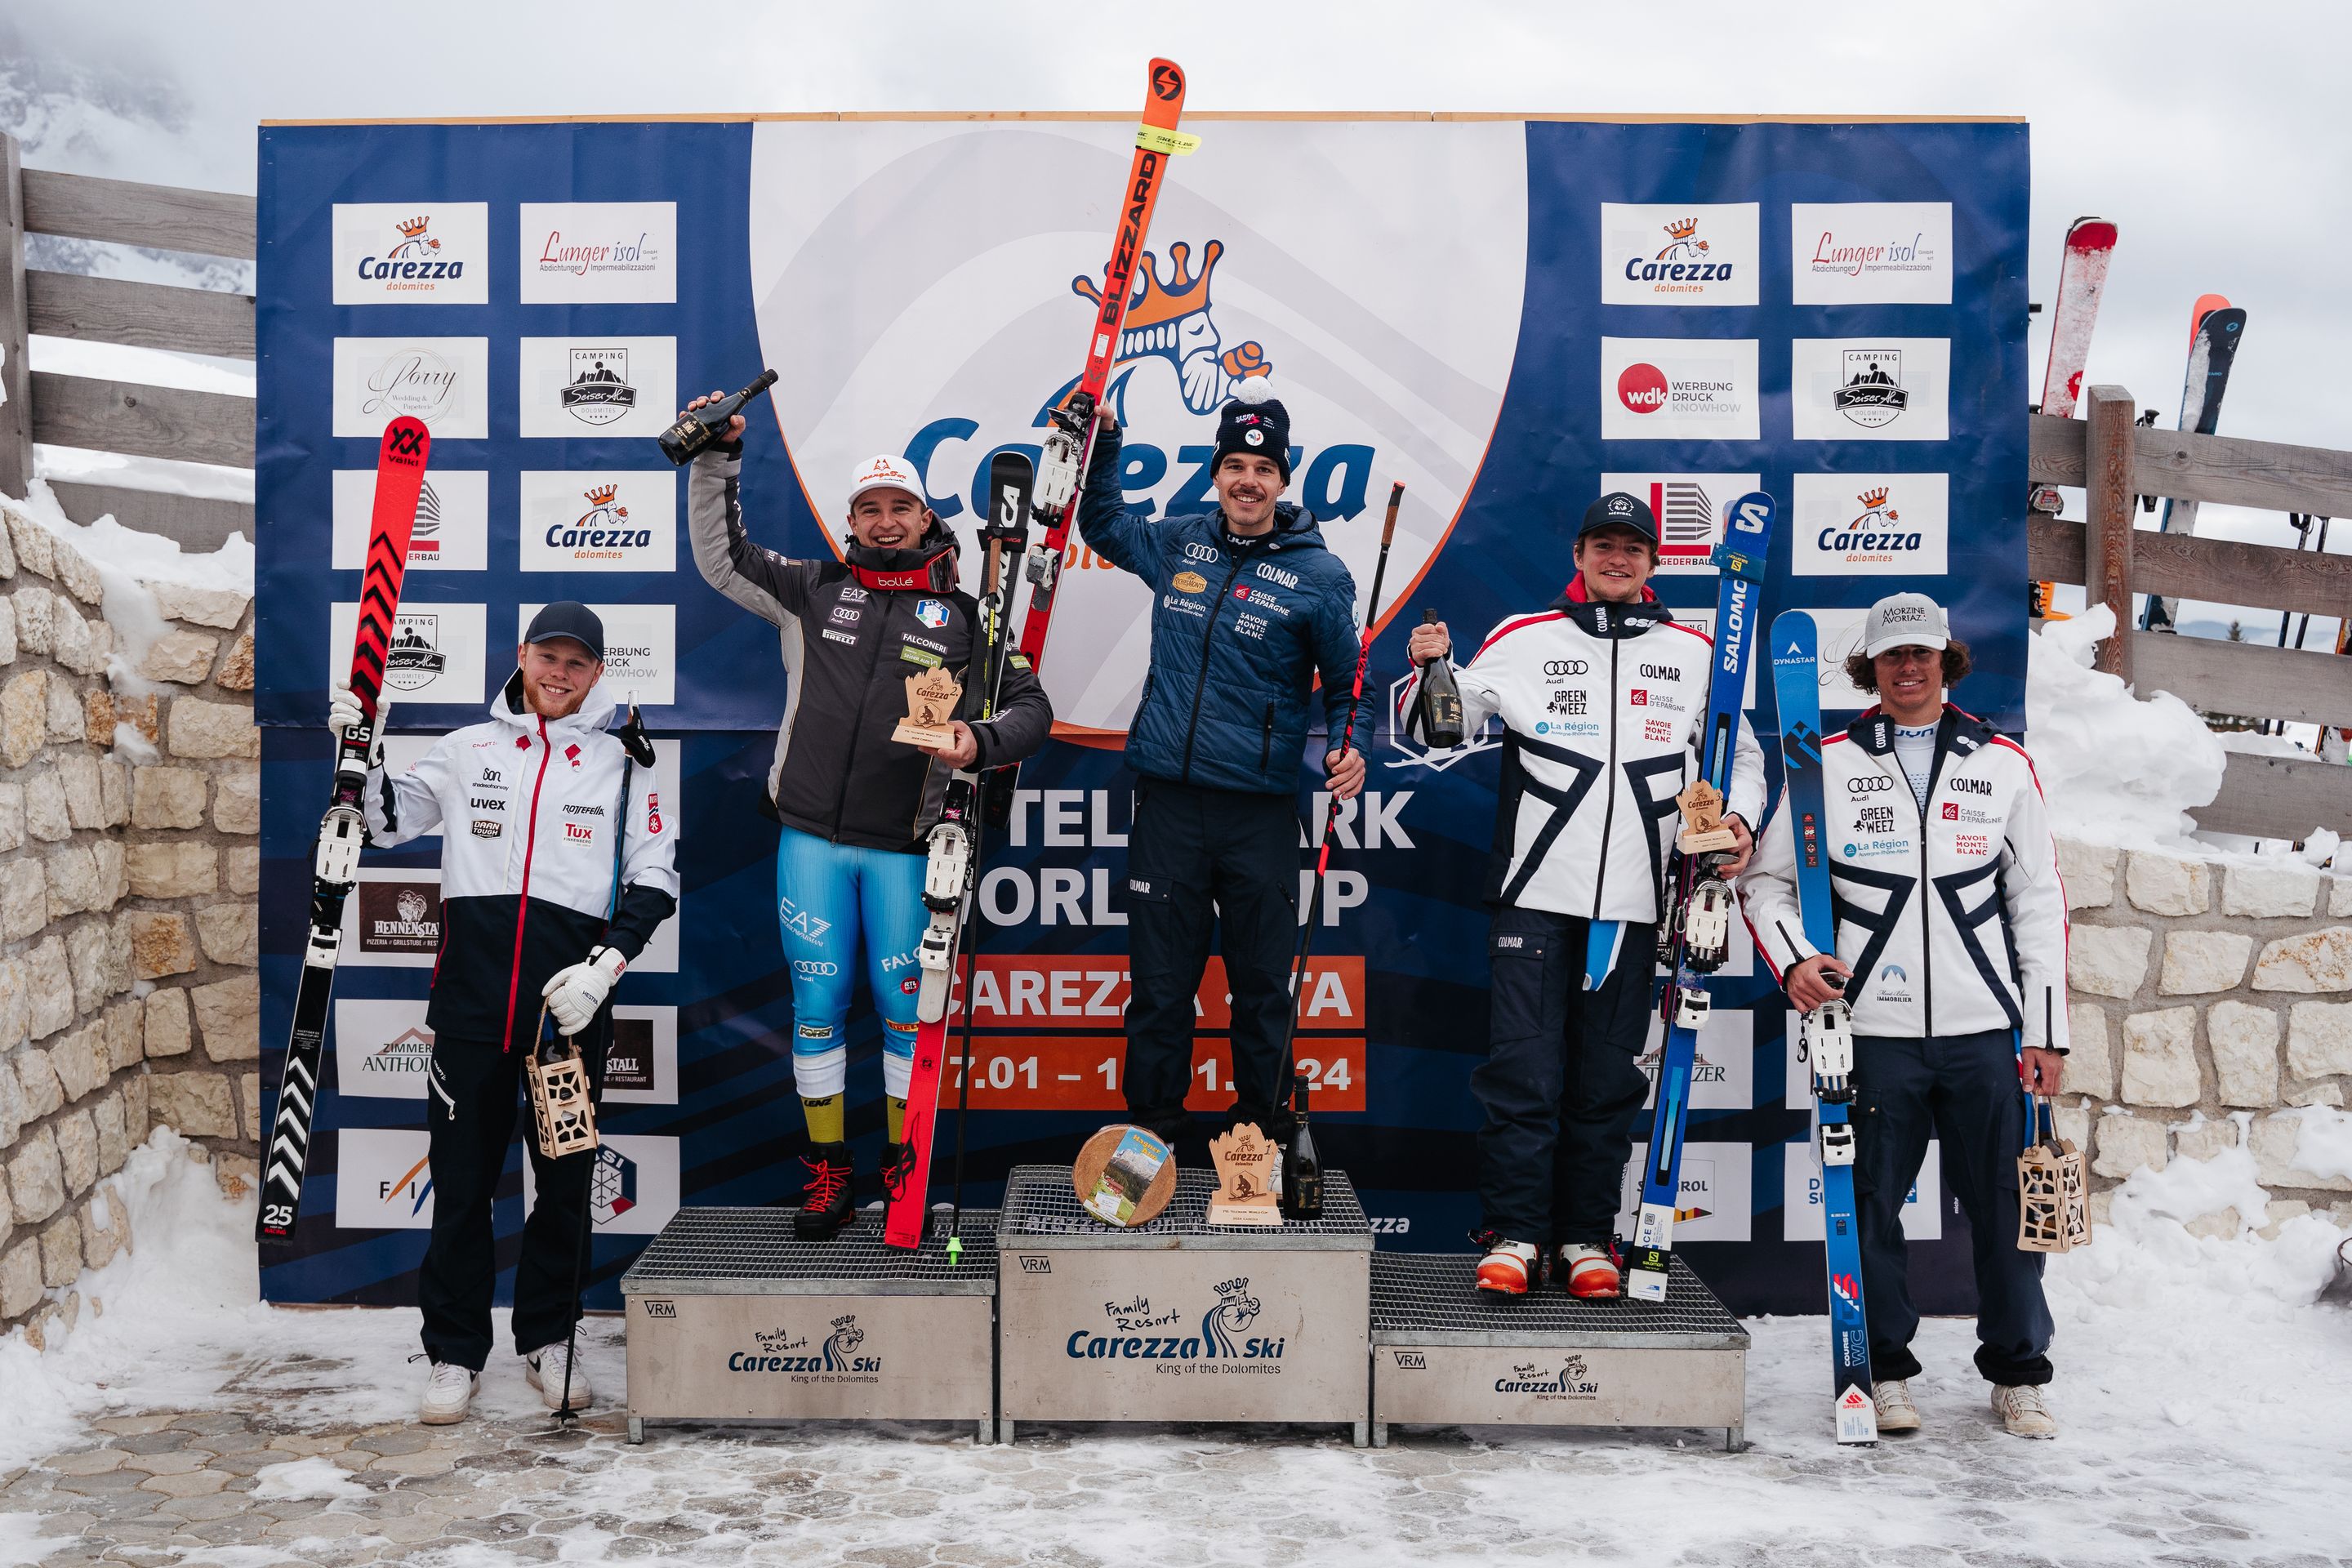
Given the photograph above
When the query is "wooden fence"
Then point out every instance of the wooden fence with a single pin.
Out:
(120, 416)
(2106, 452)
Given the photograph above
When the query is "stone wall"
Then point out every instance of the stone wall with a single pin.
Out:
(130, 815)
(2208, 999)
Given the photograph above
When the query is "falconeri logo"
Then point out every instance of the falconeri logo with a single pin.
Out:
(598, 390)
(1219, 1340)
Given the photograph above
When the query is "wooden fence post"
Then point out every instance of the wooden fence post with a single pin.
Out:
(16, 374)
(2107, 484)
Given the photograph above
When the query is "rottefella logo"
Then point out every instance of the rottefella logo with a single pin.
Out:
(1219, 1340)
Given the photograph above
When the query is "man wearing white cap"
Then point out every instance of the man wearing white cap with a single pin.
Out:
(1951, 948)
(855, 804)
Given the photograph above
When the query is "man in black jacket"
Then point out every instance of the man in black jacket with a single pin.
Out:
(855, 804)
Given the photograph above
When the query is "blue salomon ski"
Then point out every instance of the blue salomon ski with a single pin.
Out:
(1826, 1036)
(1696, 931)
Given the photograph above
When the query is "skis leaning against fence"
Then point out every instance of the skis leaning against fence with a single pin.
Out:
(1826, 1033)
(1696, 897)
(2215, 330)
(399, 477)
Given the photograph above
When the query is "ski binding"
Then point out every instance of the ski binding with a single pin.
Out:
(1706, 925)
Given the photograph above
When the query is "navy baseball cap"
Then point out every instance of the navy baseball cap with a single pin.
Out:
(1618, 509)
(568, 619)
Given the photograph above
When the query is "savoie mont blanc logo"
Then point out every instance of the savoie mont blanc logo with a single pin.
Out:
(1218, 1339)
(781, 1350)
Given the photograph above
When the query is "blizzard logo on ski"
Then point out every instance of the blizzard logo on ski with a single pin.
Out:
(1222, 1335)
(1678, 255)
(1573, 1381)
(415, 657)
(598, 390)
(1170, 321)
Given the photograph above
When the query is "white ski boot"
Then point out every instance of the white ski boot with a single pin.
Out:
(1509, 1268)
(543, 1370)
(1895, 1411)
(448, 1389)
(2021, 1412)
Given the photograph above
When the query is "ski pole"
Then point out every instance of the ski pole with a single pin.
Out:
(1331, 814)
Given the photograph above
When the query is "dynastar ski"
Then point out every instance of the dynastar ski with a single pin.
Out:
(1697, 926)
(953, 869)
(1826, 1033)
(1069, 444)
(2215, 331)
(399, 475)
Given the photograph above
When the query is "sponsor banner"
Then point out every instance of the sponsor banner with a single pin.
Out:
(412, 253)
(1046, 991)
(435, 657)
(1087, 1072)
(1870, 389)
(1840, 633)
(1869, 525)
(588, 521)
(1870, 253)
(1703, 619)
(445, 382)
(393, 919)
(598, 253)
(453, 520)
(1714, 1205)
(641, 1068)
(1723, 1077)
(634, 1188)
(1687, 255)
(640, 650)
(614, 386)
(1697, 389)
(382, 1179)
(383, 1049)
(1801, 1195)
(1689, 509)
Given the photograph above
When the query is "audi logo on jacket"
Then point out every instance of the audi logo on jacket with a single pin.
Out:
(1953, 918)
(1602, 707)
(526, 809)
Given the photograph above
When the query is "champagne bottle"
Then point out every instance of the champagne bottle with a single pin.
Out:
(698, 428)
(1440, 700)
(1302, 1172)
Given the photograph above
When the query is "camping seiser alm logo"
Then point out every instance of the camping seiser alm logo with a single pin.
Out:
(837, 1360)
(415, 657)
(1871, 391)
(598, 391)
(1218, 1340)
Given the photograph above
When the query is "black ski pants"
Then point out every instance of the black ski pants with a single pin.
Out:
(474, 1094)
(1963, 1091)
(1563, 1085)
(1202, 862)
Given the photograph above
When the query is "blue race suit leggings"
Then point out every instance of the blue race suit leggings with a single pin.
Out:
(827, 894)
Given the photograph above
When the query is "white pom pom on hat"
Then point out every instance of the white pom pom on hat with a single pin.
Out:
(1253, 389)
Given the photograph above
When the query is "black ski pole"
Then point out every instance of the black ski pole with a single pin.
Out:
(1331, 814)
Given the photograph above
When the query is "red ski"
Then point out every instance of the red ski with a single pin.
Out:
(2082, 279)
(399, 478)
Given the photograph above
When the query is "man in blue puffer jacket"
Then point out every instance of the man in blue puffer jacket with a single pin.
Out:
(1249, 605)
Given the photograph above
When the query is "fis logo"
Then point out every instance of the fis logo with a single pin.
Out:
(612, 1186)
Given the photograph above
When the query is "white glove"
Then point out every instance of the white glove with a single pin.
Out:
(573, 995)
(342, 710)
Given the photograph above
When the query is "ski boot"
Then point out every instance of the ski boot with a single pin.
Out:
(1509, 1268)
(826, 1205)
(1588, 1273)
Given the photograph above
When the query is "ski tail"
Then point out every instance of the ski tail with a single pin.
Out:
(2217, 329)
(2081, 280)
(399, 483)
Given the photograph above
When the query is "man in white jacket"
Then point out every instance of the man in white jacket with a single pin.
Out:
(1602, 697)
(1951, 948)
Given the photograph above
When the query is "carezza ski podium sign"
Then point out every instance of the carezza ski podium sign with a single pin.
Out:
(1508, 315)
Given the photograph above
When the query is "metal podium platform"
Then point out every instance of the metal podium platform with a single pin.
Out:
(731, 1317)
(1178, 1319)
(1443, 1355)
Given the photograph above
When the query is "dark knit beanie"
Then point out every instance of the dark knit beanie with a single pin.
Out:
(1255, 421)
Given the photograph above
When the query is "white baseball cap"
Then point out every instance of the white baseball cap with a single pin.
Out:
(1903, 620)
(886, 473)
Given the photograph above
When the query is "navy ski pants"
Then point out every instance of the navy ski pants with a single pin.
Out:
(1563, 1085)
(1963, 1091)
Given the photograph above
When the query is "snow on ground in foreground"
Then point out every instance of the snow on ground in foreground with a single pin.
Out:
(2206, 1396)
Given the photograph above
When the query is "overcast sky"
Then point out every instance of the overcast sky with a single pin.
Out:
(2214, 136)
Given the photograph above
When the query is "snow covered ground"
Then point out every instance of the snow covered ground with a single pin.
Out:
(2205, 1387)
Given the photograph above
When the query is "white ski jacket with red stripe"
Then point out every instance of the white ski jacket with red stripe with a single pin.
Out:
(1602, 707)
(1953, 918)
(526, 808)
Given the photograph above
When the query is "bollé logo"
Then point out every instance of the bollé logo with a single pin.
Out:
(1642, 388)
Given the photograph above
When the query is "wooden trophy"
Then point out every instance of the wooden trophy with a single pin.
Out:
(1124, 1176)
(2053, 1202)
(1703, 831)
(1248, 1191)
(562, 1112)
(931, 699)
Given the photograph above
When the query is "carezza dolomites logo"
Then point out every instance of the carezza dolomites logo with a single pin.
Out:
(1869, 525)
(1217, 1340)
(1570, 1379)
(424, 253)
(1691, 255)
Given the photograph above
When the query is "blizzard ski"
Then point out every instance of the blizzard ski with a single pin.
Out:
(399, 477)
(2215, 328)
(2082, 279)
(1069, 443)
(1826, 1033)
(953, 871)
(1697, 930)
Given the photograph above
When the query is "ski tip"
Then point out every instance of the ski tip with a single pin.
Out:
(1167, 90)
(2091, 234)
(406, 441)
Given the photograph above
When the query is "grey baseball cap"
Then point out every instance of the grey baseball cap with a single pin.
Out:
(1903, 620)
